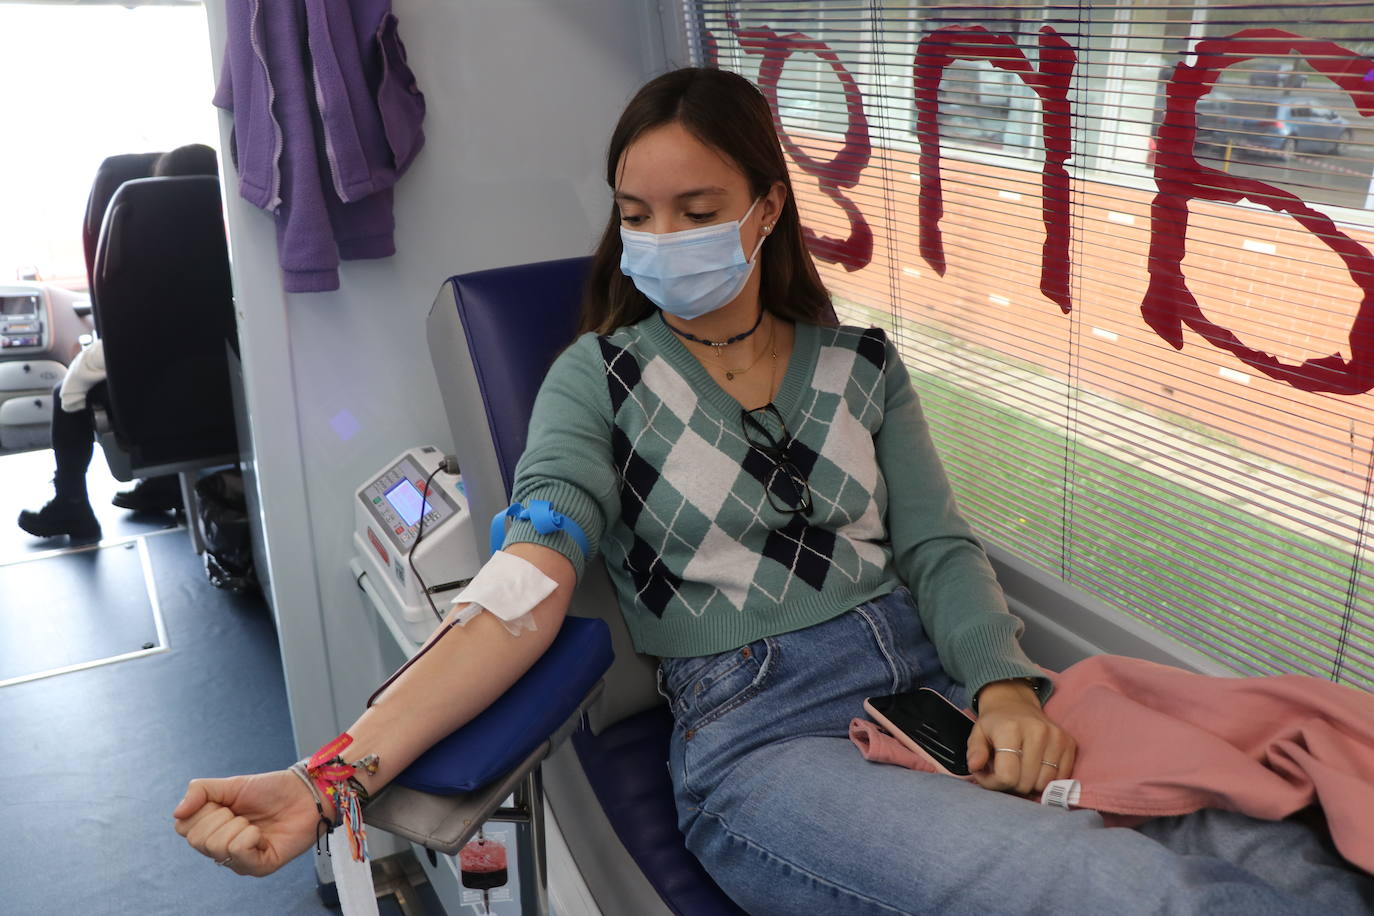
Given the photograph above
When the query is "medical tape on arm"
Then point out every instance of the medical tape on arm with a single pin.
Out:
(509, 587)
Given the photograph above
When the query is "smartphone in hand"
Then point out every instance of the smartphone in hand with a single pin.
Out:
(928, 724)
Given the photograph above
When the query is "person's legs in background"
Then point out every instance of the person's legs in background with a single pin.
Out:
(69, 511)
(152, 494)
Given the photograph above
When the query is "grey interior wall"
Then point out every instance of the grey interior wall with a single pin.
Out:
(521, 96)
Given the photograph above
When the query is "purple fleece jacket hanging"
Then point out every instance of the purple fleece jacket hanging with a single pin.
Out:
(327, 117)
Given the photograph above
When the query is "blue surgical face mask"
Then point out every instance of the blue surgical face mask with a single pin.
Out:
(691, 272)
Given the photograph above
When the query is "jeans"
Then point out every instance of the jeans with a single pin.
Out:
(788, 818)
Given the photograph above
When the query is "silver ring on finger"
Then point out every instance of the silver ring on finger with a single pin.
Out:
(1010, 750)
(1049, 764)
(224, 861)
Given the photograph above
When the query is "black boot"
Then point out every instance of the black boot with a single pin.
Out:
(62, 515)
(153, 494)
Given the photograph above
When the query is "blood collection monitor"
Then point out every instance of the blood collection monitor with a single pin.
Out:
(388, 511)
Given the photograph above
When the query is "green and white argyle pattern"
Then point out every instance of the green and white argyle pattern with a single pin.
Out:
(697, 534)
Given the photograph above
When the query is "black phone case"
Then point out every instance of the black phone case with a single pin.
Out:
(932, 723)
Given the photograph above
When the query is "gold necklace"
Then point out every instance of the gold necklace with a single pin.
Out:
(769, 348)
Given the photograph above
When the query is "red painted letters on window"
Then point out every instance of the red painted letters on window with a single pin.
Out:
(843, 171)
(1168, 303)
(1051, 82)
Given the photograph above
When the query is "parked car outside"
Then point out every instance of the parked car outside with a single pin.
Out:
(1276, 127)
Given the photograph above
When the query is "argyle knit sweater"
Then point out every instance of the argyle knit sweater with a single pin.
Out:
(631, 438)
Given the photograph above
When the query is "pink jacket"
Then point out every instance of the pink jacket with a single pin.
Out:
(1155, 740)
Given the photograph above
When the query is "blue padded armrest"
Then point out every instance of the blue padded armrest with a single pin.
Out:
(526, 714)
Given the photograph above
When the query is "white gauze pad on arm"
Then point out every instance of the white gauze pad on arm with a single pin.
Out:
(509, 587)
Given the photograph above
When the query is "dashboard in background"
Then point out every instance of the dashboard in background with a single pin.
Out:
(40, 332)
(23, 324)
(40, 321)
(19, 305)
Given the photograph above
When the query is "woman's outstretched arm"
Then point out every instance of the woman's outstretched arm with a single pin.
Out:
(263, 821)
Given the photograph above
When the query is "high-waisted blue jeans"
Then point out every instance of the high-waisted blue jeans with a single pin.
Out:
(785, 814)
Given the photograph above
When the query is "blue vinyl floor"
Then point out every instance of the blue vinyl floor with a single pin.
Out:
(72, 630)
(93, 761)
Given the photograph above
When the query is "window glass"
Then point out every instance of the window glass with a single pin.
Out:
(1123, 251)
(1282, 121)
(152, 94)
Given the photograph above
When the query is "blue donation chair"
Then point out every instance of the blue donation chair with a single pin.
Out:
(492, 337)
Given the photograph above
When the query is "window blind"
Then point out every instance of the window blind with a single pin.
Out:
(1124, 249)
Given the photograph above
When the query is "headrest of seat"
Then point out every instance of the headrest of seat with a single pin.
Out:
(113, 172)
(162, 252)
(163, 300)
(517, 320)
(163, 233)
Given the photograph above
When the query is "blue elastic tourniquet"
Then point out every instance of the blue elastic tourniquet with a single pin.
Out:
(545, 520)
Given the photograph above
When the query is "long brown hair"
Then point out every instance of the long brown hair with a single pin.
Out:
(726, 112)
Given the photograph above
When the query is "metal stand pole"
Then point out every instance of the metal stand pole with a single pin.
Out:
(188, 501)
(529, 841)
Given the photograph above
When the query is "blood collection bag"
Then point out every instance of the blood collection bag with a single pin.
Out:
(483, 864)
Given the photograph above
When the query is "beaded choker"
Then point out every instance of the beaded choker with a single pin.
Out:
(717, 344)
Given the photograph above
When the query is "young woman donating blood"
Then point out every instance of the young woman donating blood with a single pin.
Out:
(762, 487)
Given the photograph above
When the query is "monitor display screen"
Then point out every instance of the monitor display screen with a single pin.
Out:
(18, 305)
(405, 499)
